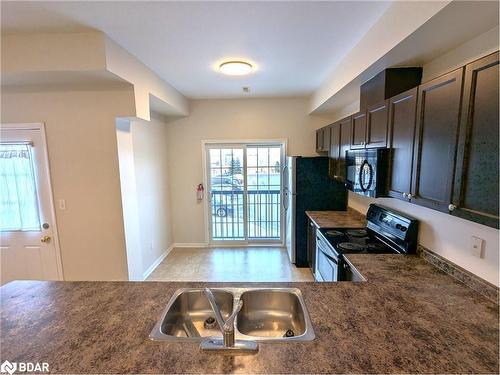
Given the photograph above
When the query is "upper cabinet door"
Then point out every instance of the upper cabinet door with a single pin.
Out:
(438, 114)
(345, 144)
(358, 130)
(319, 140)
(334, 151)
(376, 132)
(402, 114)
(475, 194)
(326, 139)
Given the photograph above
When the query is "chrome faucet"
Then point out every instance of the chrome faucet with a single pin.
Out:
(227, 329)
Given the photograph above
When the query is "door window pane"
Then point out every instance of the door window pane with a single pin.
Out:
(226, 195)
(264, 193)
(18, 200)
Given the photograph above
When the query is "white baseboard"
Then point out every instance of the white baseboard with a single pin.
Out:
(202, 245)
(156, 263)
(206, 245)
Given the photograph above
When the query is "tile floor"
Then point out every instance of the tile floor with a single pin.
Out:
(229, 264)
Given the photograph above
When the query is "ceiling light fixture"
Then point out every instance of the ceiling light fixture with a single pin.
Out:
(235, 68)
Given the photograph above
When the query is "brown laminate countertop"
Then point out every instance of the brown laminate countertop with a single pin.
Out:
(408, 317)
(337, 219)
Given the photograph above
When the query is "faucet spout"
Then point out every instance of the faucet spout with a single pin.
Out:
(226, 327)
(215, 308)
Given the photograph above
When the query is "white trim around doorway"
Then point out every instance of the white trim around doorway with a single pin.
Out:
(206, 209)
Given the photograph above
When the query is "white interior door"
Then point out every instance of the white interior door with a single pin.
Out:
(28, 243)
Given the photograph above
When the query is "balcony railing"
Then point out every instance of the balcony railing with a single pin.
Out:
(263, 215)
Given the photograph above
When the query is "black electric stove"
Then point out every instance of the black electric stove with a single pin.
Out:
(387, 232)
(355, 241)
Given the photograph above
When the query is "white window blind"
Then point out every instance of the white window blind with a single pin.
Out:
(18, 200)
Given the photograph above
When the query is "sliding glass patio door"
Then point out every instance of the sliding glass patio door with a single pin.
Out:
(244, 192)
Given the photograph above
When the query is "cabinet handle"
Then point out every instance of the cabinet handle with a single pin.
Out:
(451, 207)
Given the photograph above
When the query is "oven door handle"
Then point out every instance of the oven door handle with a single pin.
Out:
(328, 253)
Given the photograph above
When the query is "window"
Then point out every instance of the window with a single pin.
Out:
(18, 200)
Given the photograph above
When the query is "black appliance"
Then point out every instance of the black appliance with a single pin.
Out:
(307, 187)
(387, 232)
(366, 171)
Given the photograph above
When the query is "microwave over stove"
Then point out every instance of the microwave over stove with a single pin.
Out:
(366, 172)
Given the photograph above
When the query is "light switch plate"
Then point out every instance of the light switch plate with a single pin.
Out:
(476, 246)
(62, 204)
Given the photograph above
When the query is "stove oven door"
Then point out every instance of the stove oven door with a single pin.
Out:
(326, 265)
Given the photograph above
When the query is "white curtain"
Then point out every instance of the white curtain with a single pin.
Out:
(18, 200)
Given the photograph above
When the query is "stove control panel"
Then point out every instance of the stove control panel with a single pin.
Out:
(395, 226)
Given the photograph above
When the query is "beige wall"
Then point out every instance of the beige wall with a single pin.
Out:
(81, 140)
(152, 184)
(269, 118)
(447, 235)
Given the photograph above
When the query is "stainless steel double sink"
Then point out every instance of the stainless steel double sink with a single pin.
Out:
(267, 315)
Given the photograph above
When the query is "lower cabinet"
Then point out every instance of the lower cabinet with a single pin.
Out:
(475, 193)
(438, 113)
(402, 114)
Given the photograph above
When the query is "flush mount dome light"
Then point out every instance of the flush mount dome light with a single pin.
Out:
(235, 68)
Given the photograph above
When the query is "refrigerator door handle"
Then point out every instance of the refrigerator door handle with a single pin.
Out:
(284, 177)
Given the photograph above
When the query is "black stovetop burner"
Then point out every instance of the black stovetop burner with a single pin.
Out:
(354, 241)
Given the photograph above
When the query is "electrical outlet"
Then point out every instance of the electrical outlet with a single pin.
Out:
(476, 246)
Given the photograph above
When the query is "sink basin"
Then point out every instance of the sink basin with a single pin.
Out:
(267, 315)
(272, 314)
(186, 313)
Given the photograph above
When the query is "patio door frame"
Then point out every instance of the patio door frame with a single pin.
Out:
(240, 143)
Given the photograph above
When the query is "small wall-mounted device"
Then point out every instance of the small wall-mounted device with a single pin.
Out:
(199, 192)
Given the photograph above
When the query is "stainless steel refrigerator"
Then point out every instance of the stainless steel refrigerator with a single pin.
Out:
(307, 186)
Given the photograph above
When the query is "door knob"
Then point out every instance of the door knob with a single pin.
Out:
(45, 239)
(408, 196)
(404, 195)
(451, 207)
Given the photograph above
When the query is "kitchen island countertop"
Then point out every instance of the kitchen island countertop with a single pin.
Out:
(408, 317)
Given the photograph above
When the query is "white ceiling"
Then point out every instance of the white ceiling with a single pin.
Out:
(295, 45)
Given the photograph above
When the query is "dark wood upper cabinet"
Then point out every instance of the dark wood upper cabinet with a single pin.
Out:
(334, 150)
(323, 140)
(326, 139)
(388, 83)
(358, 130)
(475, 194)
(402, 115)
(376, 131)
(319, 140)
(345, 143)
(438, 114)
